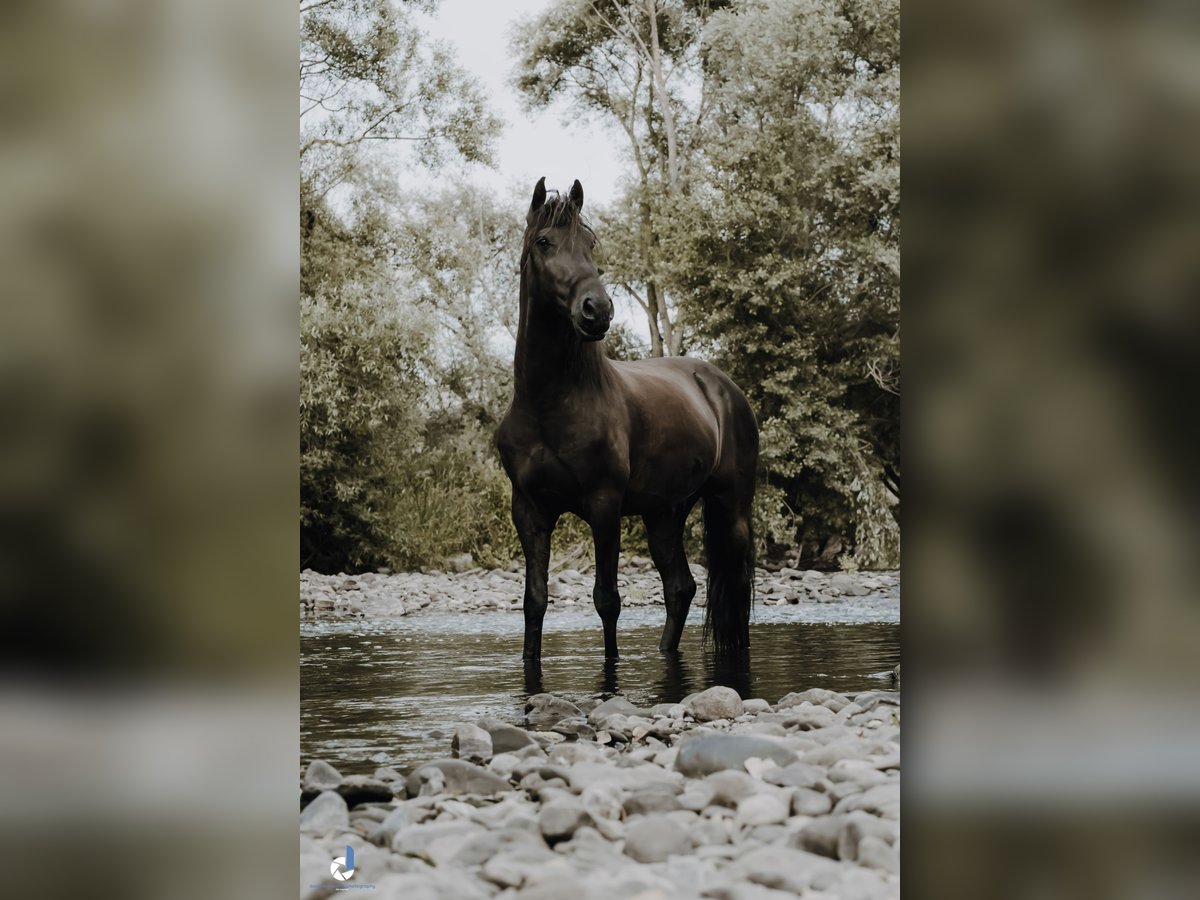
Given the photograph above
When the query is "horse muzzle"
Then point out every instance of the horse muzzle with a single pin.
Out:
(593, 316)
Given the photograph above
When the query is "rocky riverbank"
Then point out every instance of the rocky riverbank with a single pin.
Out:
(385, 595)
(714, 797)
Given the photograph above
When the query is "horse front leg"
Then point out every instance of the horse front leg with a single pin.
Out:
(533, 528)
(605, 519)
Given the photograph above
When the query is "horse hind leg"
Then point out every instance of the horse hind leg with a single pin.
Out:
(664, 533)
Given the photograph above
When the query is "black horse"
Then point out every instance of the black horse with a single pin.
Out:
(604, 439)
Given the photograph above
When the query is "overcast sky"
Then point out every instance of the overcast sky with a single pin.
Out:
(532, 144)
(551, 142)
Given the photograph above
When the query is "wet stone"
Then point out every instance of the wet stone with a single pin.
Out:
(471, 742)
(506, 738)
(715, 703)
(321, 776)
(459, 777)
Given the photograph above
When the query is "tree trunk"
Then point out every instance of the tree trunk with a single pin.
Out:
(652, 315)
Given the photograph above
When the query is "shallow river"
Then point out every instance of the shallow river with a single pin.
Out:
(389, 692)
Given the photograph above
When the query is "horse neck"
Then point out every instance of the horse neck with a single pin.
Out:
(551, 361)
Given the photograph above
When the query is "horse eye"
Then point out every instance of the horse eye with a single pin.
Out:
(543, 242)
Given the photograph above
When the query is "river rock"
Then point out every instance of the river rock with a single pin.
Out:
(471, 742)
(654, 838)
(838, 836)
(651, 800)
(513, 868)
(611, 706)
(763, 809)
(807, 802)
(460, 562)
(506, 738)
(328, 812)
(356, 789)
(402, 816)
(729, 788)
(817, 696)
(715, 703)
(877, 853)
(715, 752)
(785, 868)
(321, 776)
(559, 819)
(882, 800)
(417, 841)
(461, 777)
(547, 709)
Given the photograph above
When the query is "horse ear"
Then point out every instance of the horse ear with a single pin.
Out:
(539, 197)
(576, 195)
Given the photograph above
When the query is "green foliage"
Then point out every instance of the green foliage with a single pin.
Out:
(787, 252)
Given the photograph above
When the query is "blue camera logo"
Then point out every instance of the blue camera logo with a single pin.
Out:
(342, 867)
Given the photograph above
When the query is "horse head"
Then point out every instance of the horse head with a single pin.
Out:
(557, 261)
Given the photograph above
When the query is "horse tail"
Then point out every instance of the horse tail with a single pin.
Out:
(729, 544)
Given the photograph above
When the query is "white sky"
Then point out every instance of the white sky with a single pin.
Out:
(554, 142)
(548, 142)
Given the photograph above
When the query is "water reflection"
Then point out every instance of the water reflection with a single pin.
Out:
(376, 693)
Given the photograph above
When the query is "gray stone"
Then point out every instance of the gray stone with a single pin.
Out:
(417, 840)
(785, 868)
(806, 717)
(402, 816)
(756, 705)
(837, 836)
(858, 883)
(575, 726)
(795, 775)
(547, 709)
(715, 752)
(651, 800)
(461, 777)
(471, 742)
(654, 838)
(731, 788)
(559, 819)
(807, 802)
(611, 706)
(328, 812)
(763, 809)
(860, 826)
(708, 832)
(506, 738)
(881, 799)
(877, 853)
(715, 703)
(513, 868)
(321, 776)
(817, 696)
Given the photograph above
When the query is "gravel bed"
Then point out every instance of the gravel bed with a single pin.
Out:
(713, 797)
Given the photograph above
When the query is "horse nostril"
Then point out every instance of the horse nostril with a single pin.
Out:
(589, 308)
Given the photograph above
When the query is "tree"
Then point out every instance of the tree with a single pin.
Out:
(635, 63)
(369, 84)
(789, 254)
(369, 78)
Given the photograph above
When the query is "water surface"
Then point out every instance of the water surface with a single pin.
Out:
(389, 692)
